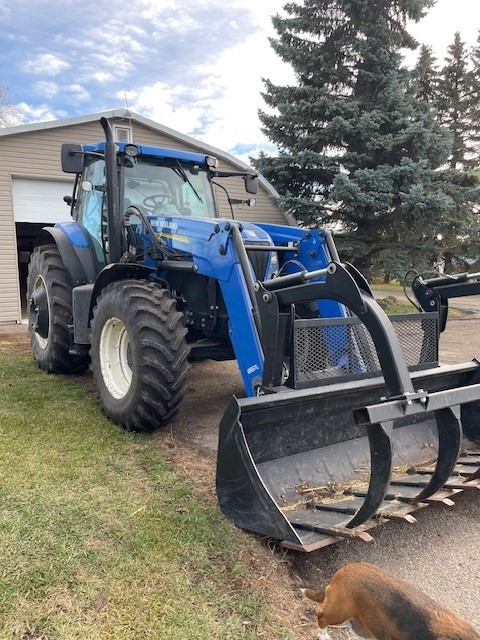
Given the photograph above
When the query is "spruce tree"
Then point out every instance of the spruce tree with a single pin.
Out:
(356, 148)
(454, 101)
(452, 94)
(425, 77)
(474, 105)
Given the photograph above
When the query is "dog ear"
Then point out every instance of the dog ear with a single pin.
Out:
(316, 596)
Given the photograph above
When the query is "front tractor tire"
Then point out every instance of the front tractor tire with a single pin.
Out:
(49, 304)
(139, 354)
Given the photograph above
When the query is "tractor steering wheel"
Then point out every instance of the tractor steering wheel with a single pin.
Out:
(157, 200)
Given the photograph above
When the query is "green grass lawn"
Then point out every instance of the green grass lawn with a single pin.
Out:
(99, 536)
(393, 305)
(391, 287)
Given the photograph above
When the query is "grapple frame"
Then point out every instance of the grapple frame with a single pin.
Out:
(309, 466)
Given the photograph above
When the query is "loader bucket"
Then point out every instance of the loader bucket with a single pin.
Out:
(337, 454)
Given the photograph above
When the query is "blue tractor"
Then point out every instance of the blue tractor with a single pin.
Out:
(147, 277)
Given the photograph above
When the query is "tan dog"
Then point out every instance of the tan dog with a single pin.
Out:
(379, 605)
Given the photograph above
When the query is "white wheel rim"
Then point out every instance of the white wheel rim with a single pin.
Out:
(38, 283)
(115, 357)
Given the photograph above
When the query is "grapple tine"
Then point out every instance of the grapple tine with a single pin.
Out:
(449, 443)
(381, 461)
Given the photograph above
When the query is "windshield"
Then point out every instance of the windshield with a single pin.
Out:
(167, 186)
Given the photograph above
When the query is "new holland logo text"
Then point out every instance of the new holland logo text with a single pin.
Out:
(164, 224)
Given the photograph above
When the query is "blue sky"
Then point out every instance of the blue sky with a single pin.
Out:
(195, 67)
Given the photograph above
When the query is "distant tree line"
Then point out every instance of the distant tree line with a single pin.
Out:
(387, 156)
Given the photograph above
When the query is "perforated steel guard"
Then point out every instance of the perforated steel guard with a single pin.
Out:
(342, 349)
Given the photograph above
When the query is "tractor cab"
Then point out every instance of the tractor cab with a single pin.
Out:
(148, 182)
(153, 180)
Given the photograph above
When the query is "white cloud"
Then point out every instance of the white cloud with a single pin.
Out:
(179, 25)
(164, 104)
(78, 92)
(46, 89)
(15, 37)
(112, 39)
(438, 27)
(151, 7)
(117, 65)
(178, 63)
(40, 113)
(234, 114)
(47, 64)
(221, 109)
(102, 76)
(5, 10)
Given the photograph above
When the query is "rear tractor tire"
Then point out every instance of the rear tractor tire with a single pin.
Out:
(49, 304)
(139, 354)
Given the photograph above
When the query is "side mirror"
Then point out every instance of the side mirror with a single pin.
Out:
(251, 183)
(73, 158)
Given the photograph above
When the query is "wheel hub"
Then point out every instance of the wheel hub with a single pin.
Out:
(116, 358)
(39, 312)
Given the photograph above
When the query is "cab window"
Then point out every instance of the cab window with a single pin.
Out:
(91, 205)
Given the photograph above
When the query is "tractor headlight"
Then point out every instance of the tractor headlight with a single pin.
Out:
(211, 162)
(131, 150)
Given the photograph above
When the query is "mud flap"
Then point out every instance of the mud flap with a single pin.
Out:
(295, 465)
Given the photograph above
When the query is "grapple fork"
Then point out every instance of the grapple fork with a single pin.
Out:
(290, 461)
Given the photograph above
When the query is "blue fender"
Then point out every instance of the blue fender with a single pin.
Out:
(75, 250)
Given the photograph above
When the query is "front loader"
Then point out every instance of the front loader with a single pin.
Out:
(347, 421)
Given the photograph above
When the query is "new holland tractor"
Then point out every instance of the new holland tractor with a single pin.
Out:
(348, 419)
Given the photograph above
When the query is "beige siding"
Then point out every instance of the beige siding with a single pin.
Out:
(263, 211)
(9, 290)
(36, 154)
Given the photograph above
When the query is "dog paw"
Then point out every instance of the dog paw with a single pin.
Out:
(322, 635)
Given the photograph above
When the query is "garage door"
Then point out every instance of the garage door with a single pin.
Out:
(40, 200)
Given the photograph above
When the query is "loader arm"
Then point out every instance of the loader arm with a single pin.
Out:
(218, 249)
(214, 248)
(433, 293)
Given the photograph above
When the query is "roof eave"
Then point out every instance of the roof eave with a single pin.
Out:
(126, 114)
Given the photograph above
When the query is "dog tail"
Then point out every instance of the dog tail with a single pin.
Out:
(316, 596)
